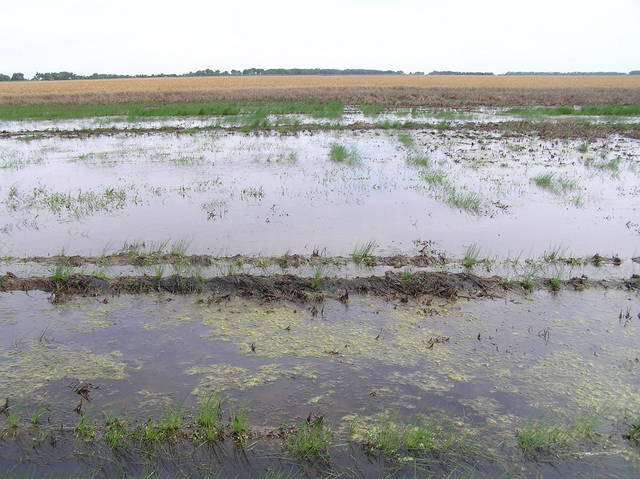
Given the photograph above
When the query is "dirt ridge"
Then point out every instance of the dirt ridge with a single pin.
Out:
(293, 288)
(562, 129)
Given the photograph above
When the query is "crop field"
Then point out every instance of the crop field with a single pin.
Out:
(437, 90)
(317, 277)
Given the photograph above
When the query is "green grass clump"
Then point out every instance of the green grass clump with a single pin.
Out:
(36, 416)
(544, 180)
(210, 412)
(427, 437)
(179, 248)
(612, 165)
(434, 177)
(371, 110)
(310, 441)
(392, 439)
(471, 256)
(363, 254)
(407, 273)
(149, 433)
(74, 204)
(115, 432)
(12, 414)
(464, 200)
(406, 139)
(85, 429)
(634, 433)
(61, 275)
(555, 283)
(539, 440)
(583, 148)
(155, 431)
(240, 423)
(555, 183)
(527, 283)
(172, 421)
(422, 161)
(552, 254)
(341, 154)
(209, 418)
(158, 271)
(318, 274)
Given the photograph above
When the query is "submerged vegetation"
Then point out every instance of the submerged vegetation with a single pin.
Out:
(560, 185)
(539, 440)
(614, 110)
(394, 440)
(75, 204)
(341, 154)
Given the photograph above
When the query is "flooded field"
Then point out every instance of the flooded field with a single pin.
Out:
(382, 293)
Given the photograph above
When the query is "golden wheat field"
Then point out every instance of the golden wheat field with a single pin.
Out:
(436, 89)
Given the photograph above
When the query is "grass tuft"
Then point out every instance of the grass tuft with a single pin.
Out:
(464, 200)
(392, 439)
(471, 256)
(318, 274)
(61, 275)
(310, 441)
(240, 423)
(341, 154)
(115, 432)
(538, 440)
(406, 139)
(209, 419)
(179, 248)
(363, 254)
(12, 414)
(554, 183)
(422, 161)
(85, 429)
(634, 433)
(612, 165)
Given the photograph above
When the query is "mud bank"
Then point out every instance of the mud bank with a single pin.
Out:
(294, 288)
(425, 259)
(567, 129)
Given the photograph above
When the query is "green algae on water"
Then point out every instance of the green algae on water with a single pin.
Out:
(24, 370)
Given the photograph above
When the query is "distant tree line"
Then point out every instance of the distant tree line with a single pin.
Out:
(568, 73)
(14, 77)
(275, 71)
(448, 72)
(204, 73)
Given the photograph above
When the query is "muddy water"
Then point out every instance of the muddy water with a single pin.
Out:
(266, 194)
(489, 366)
(507, 361)
(352, 115)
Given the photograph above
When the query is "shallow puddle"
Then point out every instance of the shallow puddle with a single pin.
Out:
(382, 202)
(492, 365)
(268, 194)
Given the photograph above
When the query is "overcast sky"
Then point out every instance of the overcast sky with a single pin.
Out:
(153, 36)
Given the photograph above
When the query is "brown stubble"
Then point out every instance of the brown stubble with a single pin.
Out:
(431, 91)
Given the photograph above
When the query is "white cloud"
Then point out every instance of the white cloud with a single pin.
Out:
(167, 36)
